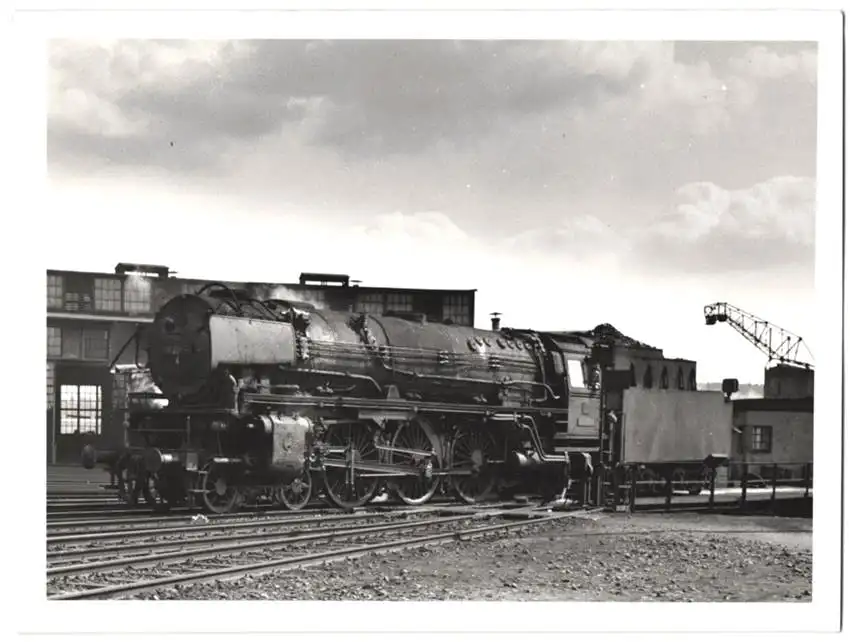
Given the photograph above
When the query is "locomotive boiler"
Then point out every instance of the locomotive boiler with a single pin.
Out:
(266, 396)
(274, 398)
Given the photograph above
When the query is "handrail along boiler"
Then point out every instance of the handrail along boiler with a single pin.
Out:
(266, 396)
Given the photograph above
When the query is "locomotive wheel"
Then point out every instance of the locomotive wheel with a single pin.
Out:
(651, 487)
(126, 487)
(149, 490)
(471, 450)
(296, 495)
(341, 489)
(218, 495)
(419, 489)
(697, 487)
(679, 479)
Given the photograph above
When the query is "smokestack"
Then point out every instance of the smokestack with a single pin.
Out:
(495, 320)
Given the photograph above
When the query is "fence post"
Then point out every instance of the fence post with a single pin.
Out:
(633, 489)
(808, 480)
(668, 500)
(744, 473)
(775, 475)
(612, 477)
(713, 472)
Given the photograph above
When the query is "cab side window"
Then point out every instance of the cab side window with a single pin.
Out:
(577, 376)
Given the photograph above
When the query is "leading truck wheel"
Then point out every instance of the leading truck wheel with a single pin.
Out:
(472, 475)
(346, 486)
(218, 495)
(295, 495)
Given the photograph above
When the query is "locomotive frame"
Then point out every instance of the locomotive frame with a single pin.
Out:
(269, 399)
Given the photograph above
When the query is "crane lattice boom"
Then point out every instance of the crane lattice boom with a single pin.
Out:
(777, 343)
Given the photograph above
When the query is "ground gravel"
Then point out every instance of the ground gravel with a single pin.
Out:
(612, 557)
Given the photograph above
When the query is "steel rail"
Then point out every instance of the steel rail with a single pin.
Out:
(313, 559)
(184, 544)
(280, 528)
(164, 519)
(238, 521)
(269, 542)
(265, 512)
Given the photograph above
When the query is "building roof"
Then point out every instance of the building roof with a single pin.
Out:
(325, 281)
(804, 404)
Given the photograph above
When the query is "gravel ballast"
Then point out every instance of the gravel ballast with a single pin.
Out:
(612, 557)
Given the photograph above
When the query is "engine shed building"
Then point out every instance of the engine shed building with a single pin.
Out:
(777, 429)
(91, 316)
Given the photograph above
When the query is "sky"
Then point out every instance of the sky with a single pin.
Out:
(570, 183)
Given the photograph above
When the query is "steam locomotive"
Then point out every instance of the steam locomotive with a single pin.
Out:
(269, 398)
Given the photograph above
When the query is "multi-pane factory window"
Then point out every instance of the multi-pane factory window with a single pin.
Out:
(137, 295)
(55, 291)
(665, 382)
(72, 343)
(51, 382)
(762, 436)
(457, 309)
(119, 389)
(80, 409)
(399, 302)
(371, 303)
(78, 301)
(107, 294)
(81, 343)
(680, 379)
(95, 344)
(54, 342)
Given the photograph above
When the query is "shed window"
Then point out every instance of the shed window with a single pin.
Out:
(54, 342)
(761, 439)
(399, 302)
(107, 294)
(456, 308)
(55, 291)
(51, 381)
(137, 295)
(95, 344)
(371, 303)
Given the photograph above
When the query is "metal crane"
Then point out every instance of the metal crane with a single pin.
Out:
(778, 344)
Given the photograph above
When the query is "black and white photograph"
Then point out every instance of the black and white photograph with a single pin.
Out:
(349, 315)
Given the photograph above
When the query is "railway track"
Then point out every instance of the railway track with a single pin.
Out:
(64, 533)
(169, 563)
(73, 523)
(162, 540)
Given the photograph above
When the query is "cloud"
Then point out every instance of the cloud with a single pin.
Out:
(422, 227)
(761, 62)
(714, 229)
(125, 102)
(579, 237)
(560, 151)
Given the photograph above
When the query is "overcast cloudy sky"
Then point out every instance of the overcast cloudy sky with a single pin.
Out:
(571, 183)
